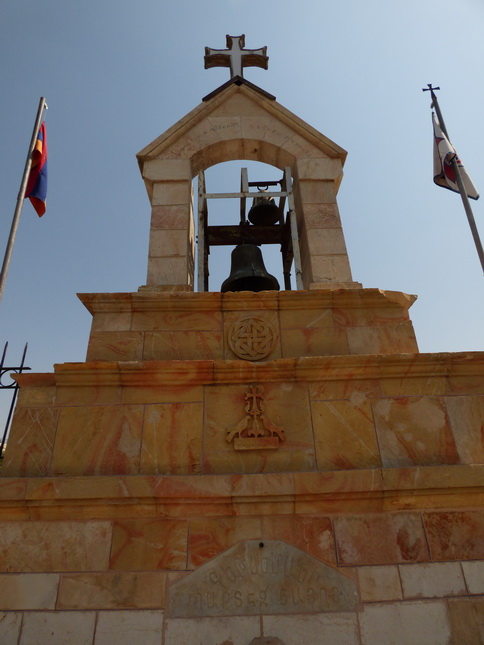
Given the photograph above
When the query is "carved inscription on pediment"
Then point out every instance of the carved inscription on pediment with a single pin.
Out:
(269, 577)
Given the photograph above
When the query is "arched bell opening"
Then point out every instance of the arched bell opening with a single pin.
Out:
(250, 204)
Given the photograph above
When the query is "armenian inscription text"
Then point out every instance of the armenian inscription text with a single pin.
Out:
(262, 577)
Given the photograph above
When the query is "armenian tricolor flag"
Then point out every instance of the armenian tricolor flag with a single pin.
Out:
(36, 189)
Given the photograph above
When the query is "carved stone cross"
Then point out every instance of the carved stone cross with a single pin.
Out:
(235, 56)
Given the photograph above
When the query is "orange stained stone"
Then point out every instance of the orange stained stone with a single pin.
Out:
(285, 406)
(457, 535)
(112, 590)
(182, 345)
(210, 536)
(115, 346)
(172, 439)
(380, 539)
(466, 415)
(30, 443)
(149, 544)
(311, 534)
(313, 342)
(55, 546)
(98, 440)
(344, 435)
(193, 488)
(173, 319)
(414, 431)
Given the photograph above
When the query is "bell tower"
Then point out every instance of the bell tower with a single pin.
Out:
(244, 463)
(241, 121)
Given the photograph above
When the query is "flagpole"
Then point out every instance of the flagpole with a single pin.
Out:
(458, 177)
(21, 196)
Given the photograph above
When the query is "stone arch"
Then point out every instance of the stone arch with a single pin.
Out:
(239, 150)
(239, 123)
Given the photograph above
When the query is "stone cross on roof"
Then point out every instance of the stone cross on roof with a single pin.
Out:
(236, 57)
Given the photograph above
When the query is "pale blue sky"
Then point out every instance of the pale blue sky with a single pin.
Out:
(118, 73)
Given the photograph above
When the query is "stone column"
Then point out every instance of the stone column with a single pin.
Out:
(172, 239)
(325, 262)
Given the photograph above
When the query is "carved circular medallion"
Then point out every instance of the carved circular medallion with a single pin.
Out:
(252, 339)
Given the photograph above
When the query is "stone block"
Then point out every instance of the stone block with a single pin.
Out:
(167, 169)
(322, 168)
(306, 317)
(30, 442)
(28, 591)
(317, 192)
(254, 127)
(313, 342)
(171, 217)
(225, 127)
(285, 406)
(172, 439)
(411, 623)
(322, 216)
(119, 321)
(128, 627)
(10, 624)
(398, 338)
(115, 346)
(112, 590)
(466, 414)
(474, 576)
(466, 621)
(356, 390)
(415, 386)
(168, 271)
(61, 628)
(455, 535)
(380, 539)
(237, 630)
(36, 396)
(324, 241)
(169, 319)
(210, 536)
(414, 431)
(434, 580)
(379, 584)
(171, 192)
(183, 345)
(344, 435)
(314, 535)
(149, 544)
(98, 440)
(54, 546)
(149, 392)
(341, 628)
(168, 243)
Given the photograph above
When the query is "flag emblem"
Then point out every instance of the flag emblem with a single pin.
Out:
(36, 189)
(444, 154)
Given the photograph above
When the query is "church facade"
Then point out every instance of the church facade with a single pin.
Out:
(247, 467)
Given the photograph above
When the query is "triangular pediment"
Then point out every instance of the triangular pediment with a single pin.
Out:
(240, 113)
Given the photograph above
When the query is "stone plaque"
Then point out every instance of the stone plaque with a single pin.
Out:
(269, 577)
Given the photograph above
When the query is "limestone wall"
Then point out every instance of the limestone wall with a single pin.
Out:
(96, 560)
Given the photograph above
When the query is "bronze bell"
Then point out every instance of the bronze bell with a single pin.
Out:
(247, 271)
(263, 212)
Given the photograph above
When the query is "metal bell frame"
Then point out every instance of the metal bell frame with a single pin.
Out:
(283, 233)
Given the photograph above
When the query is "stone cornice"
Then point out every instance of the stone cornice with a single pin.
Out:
(360, 491)
(245, 301)
(306, 369)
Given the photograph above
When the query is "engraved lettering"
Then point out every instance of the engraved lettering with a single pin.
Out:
(248, 580)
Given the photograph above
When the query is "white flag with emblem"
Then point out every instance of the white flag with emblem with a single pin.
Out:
(444, 174)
